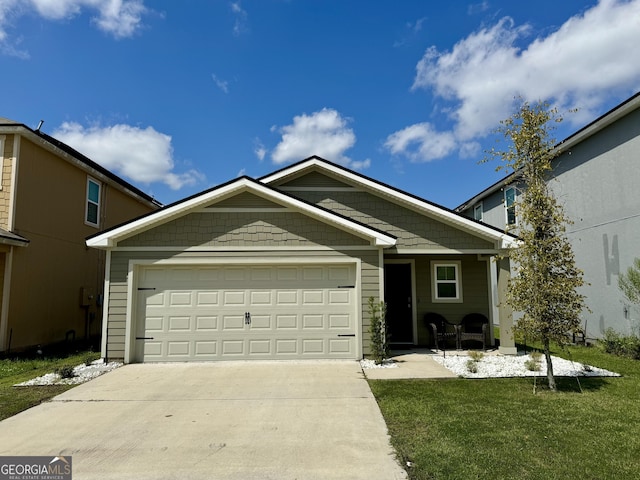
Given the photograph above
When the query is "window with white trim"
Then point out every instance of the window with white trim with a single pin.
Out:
(92, 209)
(510, 205)
(477, 212)
(446, 282)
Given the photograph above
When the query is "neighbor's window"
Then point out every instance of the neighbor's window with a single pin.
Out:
(510, 205)
(477, 212)
(447, 284)
(92, 213)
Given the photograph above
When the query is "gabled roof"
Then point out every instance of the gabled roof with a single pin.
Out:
(65, 151)
(616, 113)
(109, 238)
(420, 205)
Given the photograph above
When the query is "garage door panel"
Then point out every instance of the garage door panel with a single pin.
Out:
(178, 348)
(206, 323)
(233, 347)
(294, 312)
(340, 322)
(207, 299)
(155, 324)
(312, 322)
(339, 297)
(233, 322)
(259, 347)
(261, 298)
(286, 347)
(179, 324)
(205, 348)
(233, 298)
(340, 345)
(287, 297)
(313, 346)
(312, 297)
(260, 322)
(286, 321)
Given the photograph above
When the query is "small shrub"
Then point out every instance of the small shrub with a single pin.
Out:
(66, 371)
(533, 362)
(378, 331)
(89, 359)
(532, 365)
(621, 345)
(472, 366)
(476, 356)
(536, 356)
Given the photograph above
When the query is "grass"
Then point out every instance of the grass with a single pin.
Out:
(16, 399)
(498, 429)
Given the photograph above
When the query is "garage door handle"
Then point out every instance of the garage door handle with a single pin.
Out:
(247, 318)
(347, 335)
(144, 338)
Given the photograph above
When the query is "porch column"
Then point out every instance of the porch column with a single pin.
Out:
(505, 312)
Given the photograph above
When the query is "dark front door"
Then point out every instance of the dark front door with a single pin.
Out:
(397, 295)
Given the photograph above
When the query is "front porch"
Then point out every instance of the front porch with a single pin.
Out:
(450, 285)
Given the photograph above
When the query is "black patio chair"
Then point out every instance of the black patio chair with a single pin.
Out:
(442, 330)
(474, 326)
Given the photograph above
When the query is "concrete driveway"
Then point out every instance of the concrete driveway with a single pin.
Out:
(226, 420)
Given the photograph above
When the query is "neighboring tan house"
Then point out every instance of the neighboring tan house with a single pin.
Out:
(283, 267)
(596, 178)
(52, 198)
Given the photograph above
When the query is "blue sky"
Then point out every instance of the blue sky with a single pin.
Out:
(178, 96)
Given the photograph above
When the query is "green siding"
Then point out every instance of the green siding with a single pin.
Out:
(245, 200)
(244, 229)
(413, 230)
(313, 179)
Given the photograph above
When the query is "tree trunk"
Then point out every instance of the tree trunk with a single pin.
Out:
(547, 355)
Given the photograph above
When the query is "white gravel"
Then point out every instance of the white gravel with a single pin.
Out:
(83, 373)
(502, 366)
(496, 366)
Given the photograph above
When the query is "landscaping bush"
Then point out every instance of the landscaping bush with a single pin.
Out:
(378, 331)
(621, 345)
(66, 371)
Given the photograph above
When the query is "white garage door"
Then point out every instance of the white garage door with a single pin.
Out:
(239, 312)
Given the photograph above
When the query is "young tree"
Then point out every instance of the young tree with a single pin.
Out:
(629, 282)
(545, 285)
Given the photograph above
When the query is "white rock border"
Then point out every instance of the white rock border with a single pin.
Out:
(83, 373)
(504, 366)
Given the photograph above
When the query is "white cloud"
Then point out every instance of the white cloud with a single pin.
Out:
(259, 149)
(143, 155)
(420, 142)
(119, 18)
(577, 66)
(240, 24)
(221, 84)
(324, 133)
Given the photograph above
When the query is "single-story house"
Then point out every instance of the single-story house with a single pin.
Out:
(284, 266)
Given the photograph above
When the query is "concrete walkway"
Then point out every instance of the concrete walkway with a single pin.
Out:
(417, 363)
(226, 420)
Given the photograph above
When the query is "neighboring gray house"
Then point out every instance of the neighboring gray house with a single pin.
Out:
(283, 268)
(596, 178)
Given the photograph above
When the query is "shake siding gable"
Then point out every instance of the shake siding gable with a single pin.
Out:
(244, 229)
(412, 229)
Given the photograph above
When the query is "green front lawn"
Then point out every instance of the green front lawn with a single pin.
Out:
(498, 429)
(16, 399)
